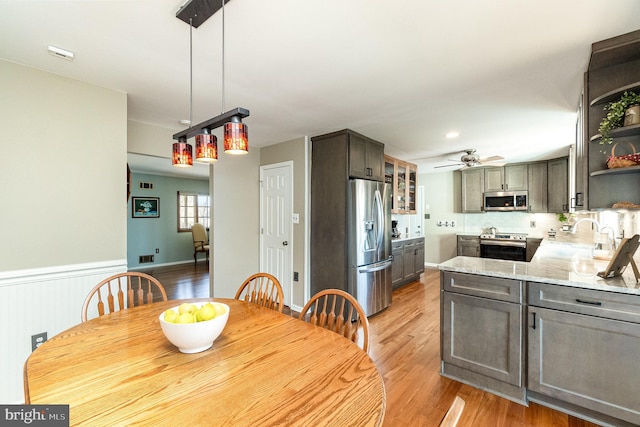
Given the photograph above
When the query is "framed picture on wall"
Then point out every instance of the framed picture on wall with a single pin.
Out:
(145, 207)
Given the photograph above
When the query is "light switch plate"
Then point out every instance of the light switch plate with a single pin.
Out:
(296, 218)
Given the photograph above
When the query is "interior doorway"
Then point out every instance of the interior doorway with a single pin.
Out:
(276, 224)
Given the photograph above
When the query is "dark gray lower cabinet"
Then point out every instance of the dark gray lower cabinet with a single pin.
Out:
(419, 258)
(581, 346)
(408, 261)
(397, 270)
(581, 356)
(469, 246)
(482, 333)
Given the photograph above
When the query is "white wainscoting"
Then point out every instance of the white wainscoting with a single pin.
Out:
(41, 300)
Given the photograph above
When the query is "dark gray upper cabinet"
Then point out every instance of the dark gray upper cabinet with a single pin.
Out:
(511, 177)
(558, 191)
(613, 69)
(538, 187)
(366, 158)
(472, 190)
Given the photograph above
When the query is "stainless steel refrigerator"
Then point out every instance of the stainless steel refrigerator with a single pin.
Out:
(369, 243)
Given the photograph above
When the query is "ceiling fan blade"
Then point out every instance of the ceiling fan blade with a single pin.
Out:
(448, 166)
(491, 159)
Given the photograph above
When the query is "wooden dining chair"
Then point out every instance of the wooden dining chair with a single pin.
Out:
(262, 289)
(140, 288)
(453, 414)
(339, 312)
(200, 241)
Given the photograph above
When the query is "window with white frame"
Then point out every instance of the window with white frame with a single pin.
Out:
(192, 208)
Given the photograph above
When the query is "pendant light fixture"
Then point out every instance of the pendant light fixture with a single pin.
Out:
(236, 135)
(195, 13)
(206, 147)
(182, 152)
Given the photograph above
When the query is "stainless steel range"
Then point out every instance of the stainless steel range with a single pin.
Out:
(509, 246)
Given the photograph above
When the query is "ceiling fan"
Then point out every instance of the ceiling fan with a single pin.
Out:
(471, 159)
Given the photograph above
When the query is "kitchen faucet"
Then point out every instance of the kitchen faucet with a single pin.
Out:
(600, 229)
(573, 227)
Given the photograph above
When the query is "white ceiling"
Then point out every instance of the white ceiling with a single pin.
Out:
(506, 74)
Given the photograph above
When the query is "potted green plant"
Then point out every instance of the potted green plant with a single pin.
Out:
(564, 220)
(615, 115)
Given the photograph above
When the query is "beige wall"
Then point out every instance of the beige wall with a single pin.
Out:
(235, 190)
(62, 170)
(151, 140)
(62, 205)
(441, 202)
(295, 151)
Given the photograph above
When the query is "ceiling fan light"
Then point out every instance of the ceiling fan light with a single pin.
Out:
(182, 154)
(236, 140)
(206, 147)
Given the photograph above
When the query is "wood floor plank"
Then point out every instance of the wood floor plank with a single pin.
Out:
(405, 345)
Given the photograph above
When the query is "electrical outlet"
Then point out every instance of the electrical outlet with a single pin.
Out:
(532, 224)
(295, 276)
(37, 340)
(157, 250)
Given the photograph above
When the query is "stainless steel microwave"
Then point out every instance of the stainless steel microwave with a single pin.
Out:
(506, 201)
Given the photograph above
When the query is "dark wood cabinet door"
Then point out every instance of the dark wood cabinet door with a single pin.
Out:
(483, 336)
(586, 361)
(366, 158)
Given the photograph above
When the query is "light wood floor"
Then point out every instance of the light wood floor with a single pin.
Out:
(405, 346)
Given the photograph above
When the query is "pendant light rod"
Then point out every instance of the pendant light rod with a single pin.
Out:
(190, 71)
(222, 109)
(212, 123)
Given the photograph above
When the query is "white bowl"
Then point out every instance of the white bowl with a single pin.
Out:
(194, 337)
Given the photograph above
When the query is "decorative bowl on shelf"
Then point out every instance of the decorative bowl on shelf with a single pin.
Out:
(196, 335)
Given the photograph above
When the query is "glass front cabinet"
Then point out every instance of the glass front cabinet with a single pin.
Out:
(403, 178)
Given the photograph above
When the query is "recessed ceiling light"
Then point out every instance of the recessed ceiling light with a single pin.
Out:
(61, 53)
(452, 134)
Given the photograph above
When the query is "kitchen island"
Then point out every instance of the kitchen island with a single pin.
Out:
(549, 331)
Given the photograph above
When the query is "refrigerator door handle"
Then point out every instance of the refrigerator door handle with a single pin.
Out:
(376, 267)
(379, 219)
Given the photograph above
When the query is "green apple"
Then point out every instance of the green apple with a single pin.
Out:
(170, 316)
(187, 307)
(185, 318)
(206, 312)
(220, 309)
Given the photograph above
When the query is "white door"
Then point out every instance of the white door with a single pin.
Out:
(276, 217)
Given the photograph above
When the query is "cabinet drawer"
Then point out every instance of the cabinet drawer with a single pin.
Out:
(585, 301)
(397, 245)
(483, 286)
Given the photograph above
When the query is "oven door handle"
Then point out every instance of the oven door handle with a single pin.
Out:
(515, 243)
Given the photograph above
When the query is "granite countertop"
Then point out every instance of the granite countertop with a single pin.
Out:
(556, 262)
(406, 237)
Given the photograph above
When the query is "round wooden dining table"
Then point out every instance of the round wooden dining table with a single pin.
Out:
(265, 369)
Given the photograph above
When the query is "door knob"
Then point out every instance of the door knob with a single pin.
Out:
(285, 243)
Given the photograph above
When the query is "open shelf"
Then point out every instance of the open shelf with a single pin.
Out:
(620, 132)
(616, 171)
(614, 94)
